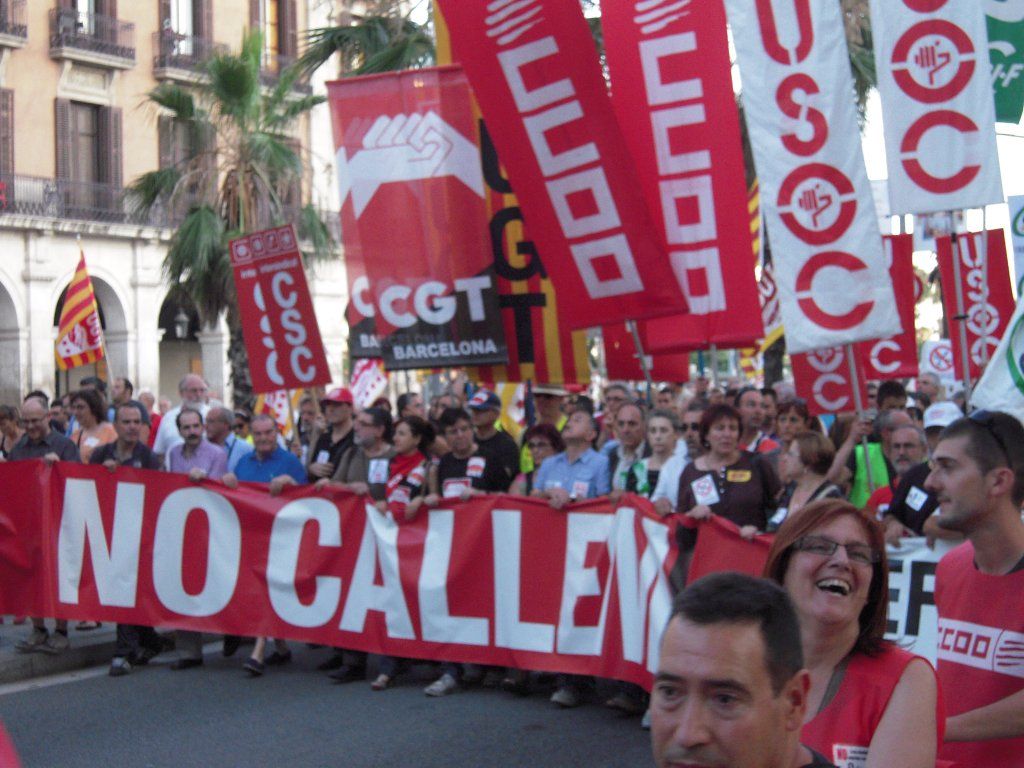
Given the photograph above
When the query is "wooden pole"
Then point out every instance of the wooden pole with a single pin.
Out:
(635, 332)
(858, 402)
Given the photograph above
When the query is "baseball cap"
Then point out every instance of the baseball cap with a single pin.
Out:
(338, 395)
(484, 399)
(941, 414)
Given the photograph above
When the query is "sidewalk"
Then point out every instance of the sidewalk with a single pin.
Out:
(95, 646)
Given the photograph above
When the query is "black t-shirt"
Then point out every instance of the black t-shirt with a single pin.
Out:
(334, 450)
(818, 761)
(142, 457)
(911, 503)
(502, 450)
(481, 472)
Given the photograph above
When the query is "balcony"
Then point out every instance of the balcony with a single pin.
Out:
(13, 29)
(91, 38)
(181, 57)
(273, 65)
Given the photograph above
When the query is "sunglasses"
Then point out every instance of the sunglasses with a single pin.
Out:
(986, 420)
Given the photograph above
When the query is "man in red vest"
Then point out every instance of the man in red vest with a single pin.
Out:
(978, 479)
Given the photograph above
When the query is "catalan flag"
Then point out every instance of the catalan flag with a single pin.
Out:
(79, 335)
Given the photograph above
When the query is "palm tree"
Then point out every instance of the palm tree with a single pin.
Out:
(242, 175)
(385, 39)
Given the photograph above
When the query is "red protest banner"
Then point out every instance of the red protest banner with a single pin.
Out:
(983, 276)
(535, 73)
(896, 357)
(280, 329)
(414, 221)
(673, 97)
(822, 378)
(721, 548)
(498, 580)
(622, 362)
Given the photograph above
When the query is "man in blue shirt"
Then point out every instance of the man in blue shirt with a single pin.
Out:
(577, 473)
(269, 462)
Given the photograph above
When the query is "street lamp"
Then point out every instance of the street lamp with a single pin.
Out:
(181, 323)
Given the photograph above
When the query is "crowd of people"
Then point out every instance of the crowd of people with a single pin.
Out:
(833, 490)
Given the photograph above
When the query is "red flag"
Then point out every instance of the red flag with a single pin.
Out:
(896, 357)
(673, 97)
(414, 220)
(535, 73)
(278, 324)
(720, 548)
(623, 362)
(822, 378)
(984, 279)
(79, 335)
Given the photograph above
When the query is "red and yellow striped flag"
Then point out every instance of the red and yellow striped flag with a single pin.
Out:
(79, 335)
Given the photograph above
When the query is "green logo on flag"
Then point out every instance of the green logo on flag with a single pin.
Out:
(1015, 354)
(1018, 223)
(1006, 57)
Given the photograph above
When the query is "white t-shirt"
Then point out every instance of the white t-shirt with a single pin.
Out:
(668, 478)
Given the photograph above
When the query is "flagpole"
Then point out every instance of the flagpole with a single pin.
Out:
(631, 326)
(858, 402)
(960, 317)
(713, 354)
(983, 255)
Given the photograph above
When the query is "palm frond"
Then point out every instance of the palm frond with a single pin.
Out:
(312, 230)
(151, 188)
(292, 109)
(272, 154)
(198, 260)
(234, 86)
(175, 99)
(406, 52)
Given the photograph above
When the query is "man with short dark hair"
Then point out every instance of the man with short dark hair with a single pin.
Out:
(136, 644)
(410, 404)
(892, 396)
(41, 442)
(750, 403)
(731, 690)
(329, 444)
(978, 478)
(220, 432)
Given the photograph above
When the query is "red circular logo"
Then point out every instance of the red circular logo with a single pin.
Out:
(938, 185)
(817, 203)
(933, 61)
(809, 303)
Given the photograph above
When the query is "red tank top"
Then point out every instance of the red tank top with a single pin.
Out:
(842, 731)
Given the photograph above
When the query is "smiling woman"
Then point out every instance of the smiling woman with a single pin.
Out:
(866, 694)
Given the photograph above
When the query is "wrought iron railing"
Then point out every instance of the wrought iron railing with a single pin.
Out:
(70, 28)
(12, 18)
(188, 52)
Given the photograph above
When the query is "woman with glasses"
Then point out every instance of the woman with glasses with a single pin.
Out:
(802, 467)
(870, 700)
(543, 441)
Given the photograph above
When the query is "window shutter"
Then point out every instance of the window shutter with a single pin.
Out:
(202, 19)
(116, 149)
(107, 8)
(65, 138)
(110, 146)
(255, 22)
(288, 21)
(165, 14)
(165, 134)
(6, 131)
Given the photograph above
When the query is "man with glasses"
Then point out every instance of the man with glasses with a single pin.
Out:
(978, 478)
(193, 392)
(330, 444)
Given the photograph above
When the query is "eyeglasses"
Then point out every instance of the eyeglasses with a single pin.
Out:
(692, 425)
(986, 420)
(238, 427)
(820, 545)
(537, 445)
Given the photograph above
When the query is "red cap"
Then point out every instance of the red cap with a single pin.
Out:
(338, 395)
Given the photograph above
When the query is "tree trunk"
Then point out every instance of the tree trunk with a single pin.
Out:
(238, 359)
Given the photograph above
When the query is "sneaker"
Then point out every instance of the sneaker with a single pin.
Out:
(277, 658)
(472, 674)
(36, 640)
(566, 697)
(347, 673)
(120, 667)
(493, 678)
(335, 661)
(645, 722)
(146, 655)
(55, 644)
(231, 645)
(444, 685)
(626, 704)
(253, 667)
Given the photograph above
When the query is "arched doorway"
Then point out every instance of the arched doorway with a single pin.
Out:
(10, 350)
(180, 351)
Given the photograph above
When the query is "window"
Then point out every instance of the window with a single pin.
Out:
(85, 156)
(89, 157)
(276, 19)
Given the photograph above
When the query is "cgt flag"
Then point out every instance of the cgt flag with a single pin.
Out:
(79, 335)
(414, 223)
(536, 76)
(1002, 384)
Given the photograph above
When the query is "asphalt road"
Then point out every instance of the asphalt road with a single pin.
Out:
(294, 716)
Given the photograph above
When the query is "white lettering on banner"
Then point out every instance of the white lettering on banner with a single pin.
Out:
(833, 288)
(116, 570)
(224, 552)
(580, 581)
(696, 261)
(290, 319)
(885, 345)
(982, 316)
(932, 64)
(283, 560)
(592, 235)
(431, 301)
(436, 349)
(634, 580)
(379, 546)
(438, 625)
(510, 631)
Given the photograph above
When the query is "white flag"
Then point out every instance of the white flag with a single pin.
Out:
(1001, 387)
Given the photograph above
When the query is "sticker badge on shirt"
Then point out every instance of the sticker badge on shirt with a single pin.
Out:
(849, 756)
(475, 467)
(416, 476)
(916, 498)
(580, 489)
(704, 490)
(738, 476)
(454, 487)
(378, 471)
(399, 496)
(323, 457)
